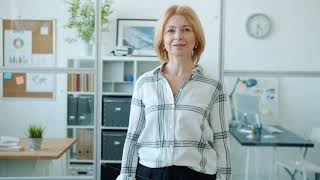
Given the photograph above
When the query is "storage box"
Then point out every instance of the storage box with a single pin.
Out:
(81, 169)
(110, 171)
(116, 111)
(112, 144)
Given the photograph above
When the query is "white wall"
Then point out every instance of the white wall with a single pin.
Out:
(292, 45)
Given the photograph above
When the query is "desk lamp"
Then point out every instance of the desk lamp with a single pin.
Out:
(248, 83)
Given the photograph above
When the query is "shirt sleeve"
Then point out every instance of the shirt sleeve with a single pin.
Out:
(136, 125)
(219, 117)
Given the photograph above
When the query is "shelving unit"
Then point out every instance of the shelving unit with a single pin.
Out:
(80, 121)
(119, 75)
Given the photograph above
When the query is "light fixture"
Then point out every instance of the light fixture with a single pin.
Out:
(248, 83)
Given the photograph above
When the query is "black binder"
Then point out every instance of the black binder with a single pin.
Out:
(72, 110)
(85, 110)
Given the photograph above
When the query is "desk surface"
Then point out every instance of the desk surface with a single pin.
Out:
(52, 148)
(285, 139)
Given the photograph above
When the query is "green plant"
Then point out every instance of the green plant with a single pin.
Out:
(35, 131)
(82, 18)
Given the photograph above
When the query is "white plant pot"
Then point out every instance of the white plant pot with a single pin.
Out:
(88, 49)
(34, 144)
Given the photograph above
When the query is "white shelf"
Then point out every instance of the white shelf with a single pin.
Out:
(80, 161)
(129, 58)
(124, 82)
(80, 93)
(114, 128)
(117, 94)
(79, 127)
(111, 161)
(83, 58)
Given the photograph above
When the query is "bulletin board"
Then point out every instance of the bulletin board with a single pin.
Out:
(28, 43)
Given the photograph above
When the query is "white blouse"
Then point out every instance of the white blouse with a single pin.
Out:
(189, 129)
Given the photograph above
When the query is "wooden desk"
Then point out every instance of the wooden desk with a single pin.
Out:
(52, 148)
(35, 163)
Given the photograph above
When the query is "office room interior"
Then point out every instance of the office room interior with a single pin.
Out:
(78, 86)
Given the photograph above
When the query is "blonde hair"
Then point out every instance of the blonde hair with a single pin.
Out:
(195, 24)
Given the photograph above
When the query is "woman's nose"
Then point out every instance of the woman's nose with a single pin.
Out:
(178, 35)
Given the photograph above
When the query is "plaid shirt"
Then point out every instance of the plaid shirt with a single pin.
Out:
(189, 129)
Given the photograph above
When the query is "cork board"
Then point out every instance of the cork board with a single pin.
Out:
(40, 44)
(15, 86)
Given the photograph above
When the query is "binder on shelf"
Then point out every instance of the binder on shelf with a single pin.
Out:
(85, 110)
(72, 110)
(85, 144)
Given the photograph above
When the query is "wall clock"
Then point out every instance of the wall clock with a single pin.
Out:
(258, 25)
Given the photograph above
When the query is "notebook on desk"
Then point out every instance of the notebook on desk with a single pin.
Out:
(8, 143)
(11, 148)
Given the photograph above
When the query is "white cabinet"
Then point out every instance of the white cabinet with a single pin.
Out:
(118, 77)
(120, 73)
(80, 119)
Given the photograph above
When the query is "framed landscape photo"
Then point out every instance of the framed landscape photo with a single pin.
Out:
(137, 34)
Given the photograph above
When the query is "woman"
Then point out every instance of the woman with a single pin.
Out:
(177, 127)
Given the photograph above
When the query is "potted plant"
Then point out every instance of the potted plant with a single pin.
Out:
(35, 135)
(82, 19)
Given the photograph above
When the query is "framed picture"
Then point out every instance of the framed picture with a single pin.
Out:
(137, 34)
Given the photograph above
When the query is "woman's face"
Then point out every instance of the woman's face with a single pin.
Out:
(179, 38)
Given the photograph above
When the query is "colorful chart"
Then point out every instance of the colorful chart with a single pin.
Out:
(18, 43)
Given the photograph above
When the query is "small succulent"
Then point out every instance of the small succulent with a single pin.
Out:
(35, 131)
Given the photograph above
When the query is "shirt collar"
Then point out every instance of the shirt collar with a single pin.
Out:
(198, 69)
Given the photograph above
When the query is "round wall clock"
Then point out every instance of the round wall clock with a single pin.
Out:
(258, 25)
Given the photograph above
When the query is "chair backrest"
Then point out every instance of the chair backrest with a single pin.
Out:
(315, 134)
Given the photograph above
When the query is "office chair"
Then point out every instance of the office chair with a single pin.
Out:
(302, 165)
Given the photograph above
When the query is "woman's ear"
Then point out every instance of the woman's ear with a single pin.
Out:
(196, 45)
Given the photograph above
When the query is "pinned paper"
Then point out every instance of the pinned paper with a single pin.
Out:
(19, 80)
(44, 30)
(8, 75)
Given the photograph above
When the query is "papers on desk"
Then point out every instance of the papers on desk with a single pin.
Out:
(8, 143)
(272, 129)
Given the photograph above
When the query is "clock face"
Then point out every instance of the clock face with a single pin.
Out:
(258, 25)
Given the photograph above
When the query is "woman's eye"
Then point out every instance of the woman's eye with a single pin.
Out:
(170, 30)
(186, 29)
